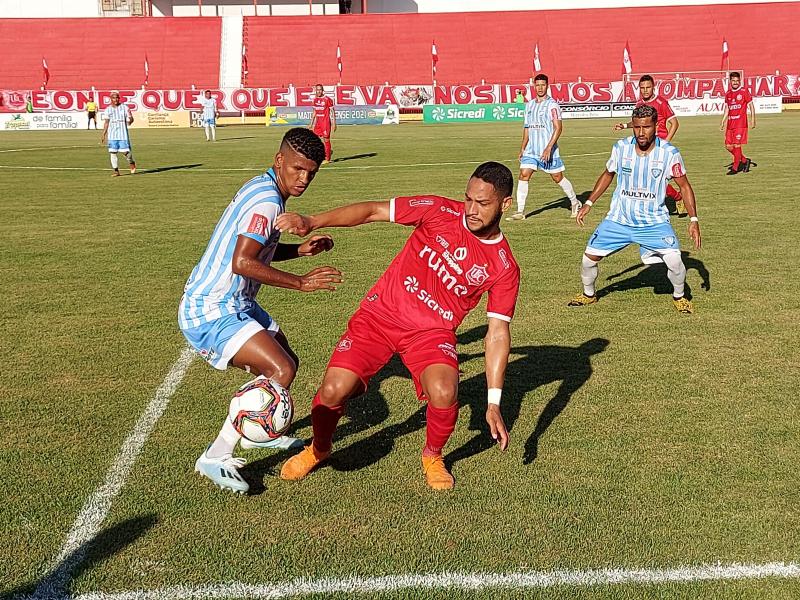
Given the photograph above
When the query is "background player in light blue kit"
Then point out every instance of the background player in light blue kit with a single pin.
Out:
(643, 164)
(116, 119)
(219, 315)
(539, 150)
(210, 116)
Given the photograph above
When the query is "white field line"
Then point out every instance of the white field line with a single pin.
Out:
(97, 506)
(326, 169)
(459, 581)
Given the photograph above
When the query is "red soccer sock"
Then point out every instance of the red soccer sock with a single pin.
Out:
(323, 421)
(441, 423)
(328, 150)
(737, 157)
(673, 193)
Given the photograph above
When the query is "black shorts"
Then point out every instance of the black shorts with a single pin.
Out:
(92, 114)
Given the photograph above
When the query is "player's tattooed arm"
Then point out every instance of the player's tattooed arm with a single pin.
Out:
(344, 216)
(600, 187)
(245, 262)
(497, 346)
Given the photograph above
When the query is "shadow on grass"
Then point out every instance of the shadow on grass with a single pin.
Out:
(232, 139)
(655, 276)
(355, 157)
(560, 203)
(164, 169)
(103, 546)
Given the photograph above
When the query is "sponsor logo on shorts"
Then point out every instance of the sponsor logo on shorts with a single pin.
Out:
(477, 274)
(448, 349)
(372, 298)
(207, 354)
(421, 202)
(258, 225)
(669, 240)
(344, 345)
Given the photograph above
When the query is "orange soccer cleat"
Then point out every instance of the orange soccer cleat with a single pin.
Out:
(303, 463)
(436, 474)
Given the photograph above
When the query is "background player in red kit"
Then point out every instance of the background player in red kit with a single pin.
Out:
(455, 255)
(666, 126)
(738, 103)
(323, 123)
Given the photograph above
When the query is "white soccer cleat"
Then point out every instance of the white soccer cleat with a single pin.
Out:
(517, 216)
(223, 472)
(284, 442)
(576, 207)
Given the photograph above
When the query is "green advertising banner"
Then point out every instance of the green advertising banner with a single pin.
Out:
(472, 113)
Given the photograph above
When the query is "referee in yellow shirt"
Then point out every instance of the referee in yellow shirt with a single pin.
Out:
(91, 112)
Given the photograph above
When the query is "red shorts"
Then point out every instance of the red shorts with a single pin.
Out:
(370, 342)
(323, 130)
(736, 137)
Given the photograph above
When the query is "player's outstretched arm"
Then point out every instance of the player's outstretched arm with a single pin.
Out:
(344, 216)
(600, 187)
(245, 262)
(497, 345)
(691, 208)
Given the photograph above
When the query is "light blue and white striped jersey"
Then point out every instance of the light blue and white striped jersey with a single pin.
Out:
(213, 289)
(209, 107)
(638, 199)
(117, 117)
(540, 120)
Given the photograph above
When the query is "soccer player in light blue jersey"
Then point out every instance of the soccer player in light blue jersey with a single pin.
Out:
(643, 164)
(210, 116)
(219, 315)
(116, 119)
(539, 149)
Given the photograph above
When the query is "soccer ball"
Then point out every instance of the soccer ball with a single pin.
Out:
(261, 410)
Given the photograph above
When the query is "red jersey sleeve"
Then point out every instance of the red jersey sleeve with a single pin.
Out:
(503, 296)
(416, 210)
(666, 110)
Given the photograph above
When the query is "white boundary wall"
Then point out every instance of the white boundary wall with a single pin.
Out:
(49, 8)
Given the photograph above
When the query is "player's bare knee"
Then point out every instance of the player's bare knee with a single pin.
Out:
(284, 372)
(557, 177)
(334, 392)
(442, 393)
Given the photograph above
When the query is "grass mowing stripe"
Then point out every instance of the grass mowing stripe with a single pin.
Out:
(97, 506)
(461, 581)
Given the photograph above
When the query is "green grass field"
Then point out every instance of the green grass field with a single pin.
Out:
(640, 438)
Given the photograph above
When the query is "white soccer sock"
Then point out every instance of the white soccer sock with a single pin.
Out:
(589, 273)
(129, 157)
(213, 132)
(208, 133)
(566, 185)
(676, 272)
(114, 160)
(226, 441)
(522, 195)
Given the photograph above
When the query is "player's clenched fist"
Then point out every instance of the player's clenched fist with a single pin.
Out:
(321, 278)
(294, 223)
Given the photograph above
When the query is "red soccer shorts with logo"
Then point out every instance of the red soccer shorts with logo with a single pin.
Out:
(370, 341)
(736, 137)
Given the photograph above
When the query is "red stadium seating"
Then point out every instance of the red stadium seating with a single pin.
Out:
(109, 52)
(498, 46)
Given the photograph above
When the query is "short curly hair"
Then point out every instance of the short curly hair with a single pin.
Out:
(305, 142)
(644, 111)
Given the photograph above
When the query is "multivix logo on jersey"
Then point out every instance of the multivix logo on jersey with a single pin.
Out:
(438, 265)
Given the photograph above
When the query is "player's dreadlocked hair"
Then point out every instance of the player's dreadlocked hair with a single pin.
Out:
(498, 175)
(644, 111)
(305, 142)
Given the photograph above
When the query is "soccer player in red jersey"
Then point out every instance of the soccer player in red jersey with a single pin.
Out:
(323, 123)
(455, 255)
(738, 106)
(666, 127)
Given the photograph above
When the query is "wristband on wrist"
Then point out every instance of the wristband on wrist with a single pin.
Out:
(588, 203)
(693, 220)
(493, 396)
